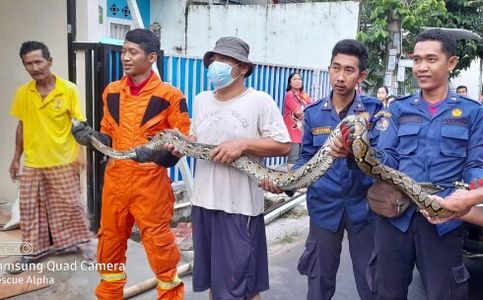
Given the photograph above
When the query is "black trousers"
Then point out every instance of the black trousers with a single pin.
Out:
(439, 260)
(320, 260)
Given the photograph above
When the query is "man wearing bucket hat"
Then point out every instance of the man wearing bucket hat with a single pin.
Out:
(230, 252)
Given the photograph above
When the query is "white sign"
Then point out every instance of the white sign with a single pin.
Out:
(391, 63)
(397, 41)
(401, 73)
(388, 79)
(408, 63)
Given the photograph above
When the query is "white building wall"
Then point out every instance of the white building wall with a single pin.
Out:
(295, 34)
(89, 28)
(22, 20)
(171, 15)
(471, 78)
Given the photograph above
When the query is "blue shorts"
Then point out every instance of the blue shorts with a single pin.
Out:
(230, 254)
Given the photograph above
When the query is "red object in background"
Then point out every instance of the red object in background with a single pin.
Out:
(477, 183)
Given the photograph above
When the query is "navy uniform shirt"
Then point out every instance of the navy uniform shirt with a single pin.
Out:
(344, 186)
(440, 149)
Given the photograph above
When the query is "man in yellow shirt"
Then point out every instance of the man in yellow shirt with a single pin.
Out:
(51, 213)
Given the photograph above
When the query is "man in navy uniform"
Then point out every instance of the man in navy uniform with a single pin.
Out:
(433, 136)
(337, 201)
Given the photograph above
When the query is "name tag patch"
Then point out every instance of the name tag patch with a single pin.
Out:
(410, 119)
(321, 130)
(456, 121)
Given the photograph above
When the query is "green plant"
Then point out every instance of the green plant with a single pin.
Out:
(414, 15)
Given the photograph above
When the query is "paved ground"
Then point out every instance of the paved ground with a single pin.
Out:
(81, 283)
(285, 237)
(285, 281)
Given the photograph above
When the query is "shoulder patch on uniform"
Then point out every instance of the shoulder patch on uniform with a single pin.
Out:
(382, 114)
(321, 130)
(382, 124)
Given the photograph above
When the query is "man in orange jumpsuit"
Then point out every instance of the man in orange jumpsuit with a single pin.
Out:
(135, 109)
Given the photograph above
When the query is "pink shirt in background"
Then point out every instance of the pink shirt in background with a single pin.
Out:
(293, 102)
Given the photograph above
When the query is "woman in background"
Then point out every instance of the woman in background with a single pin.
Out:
(293, 114)
(382, 93)
(384, 97)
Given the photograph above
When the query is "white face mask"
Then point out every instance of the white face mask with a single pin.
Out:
(219, 74)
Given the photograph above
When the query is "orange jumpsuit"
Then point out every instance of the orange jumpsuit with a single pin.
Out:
(139, 192)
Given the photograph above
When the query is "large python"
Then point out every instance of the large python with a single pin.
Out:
(304, 176)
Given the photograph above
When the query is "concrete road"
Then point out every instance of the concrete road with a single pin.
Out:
(287, 284)
(285, 237)
(285, 281)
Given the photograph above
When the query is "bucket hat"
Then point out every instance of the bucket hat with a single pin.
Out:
(232, 47)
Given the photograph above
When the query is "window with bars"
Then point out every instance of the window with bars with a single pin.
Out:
(118, 30)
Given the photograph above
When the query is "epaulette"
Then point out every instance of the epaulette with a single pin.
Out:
(469, 99)
(381, 120)
(369, 99)
(403, 97)
(313, 104)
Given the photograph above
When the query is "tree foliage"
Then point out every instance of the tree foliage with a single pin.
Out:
(469, 15)
(375, 18)
(414, 15)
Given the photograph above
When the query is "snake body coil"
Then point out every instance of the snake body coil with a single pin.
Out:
(304, 176)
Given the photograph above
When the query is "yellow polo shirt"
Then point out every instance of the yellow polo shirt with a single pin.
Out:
(47, 139)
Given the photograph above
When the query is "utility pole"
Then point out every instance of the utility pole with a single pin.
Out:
(393, 51)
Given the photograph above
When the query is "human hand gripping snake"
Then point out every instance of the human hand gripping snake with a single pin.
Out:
(355, 131)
